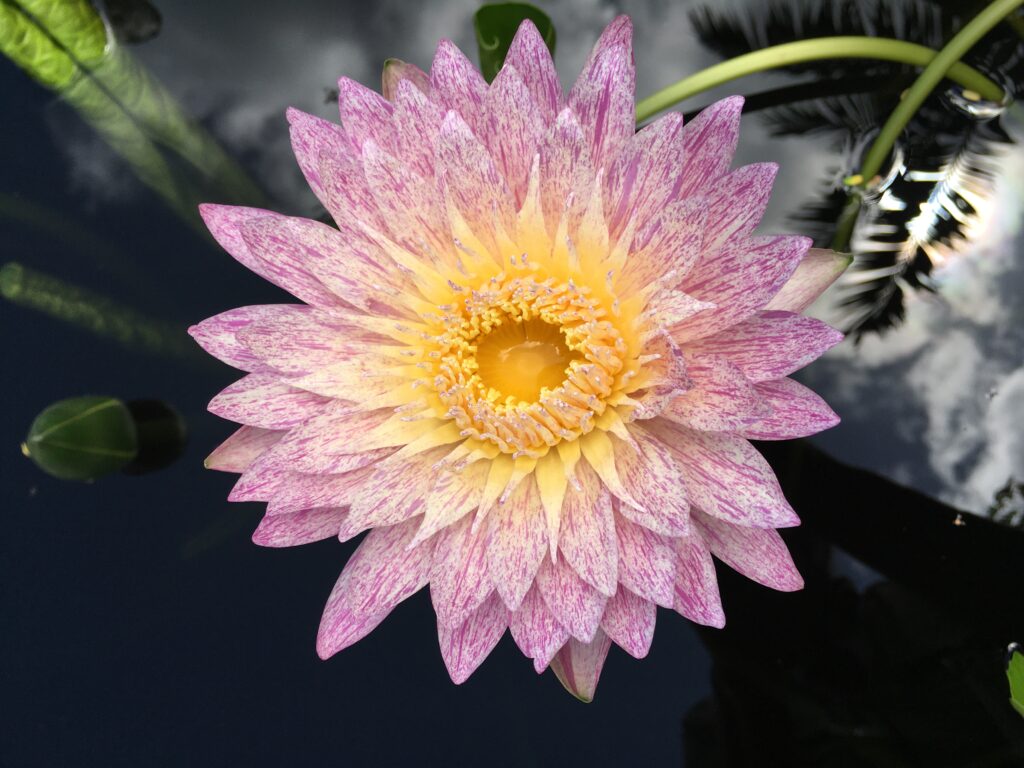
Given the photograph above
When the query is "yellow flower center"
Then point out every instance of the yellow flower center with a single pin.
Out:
(522, 358)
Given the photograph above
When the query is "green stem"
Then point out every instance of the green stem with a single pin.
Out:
(815, 50)
(938, 68)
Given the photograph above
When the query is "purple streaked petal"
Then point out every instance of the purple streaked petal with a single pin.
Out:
(457, 85)
(459, 581)
(667, 247)
(532, 60)
(302, 491)
(452, 496)
(576, 605)
(647, 563)
(516, 543)
(629, 621)
(651, 475)
(737, 202)
(760, 554)
(771, 344)
(218, 335)
(587, 534)
(726, 477)
(417, 124)
(365, 114)
(603, 101)
(536, 630)
(709, 143)
(721, 399)
(303, 527)
(465, 647)
(311, 138)
(396, 72)
(815, 272)
(515, 128)
(566, 169)
(262, 400)
(381, 573)
(240, 450)
(578, 665)
(796, 412)
(696, 590)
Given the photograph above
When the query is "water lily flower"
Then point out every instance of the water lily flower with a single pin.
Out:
(529, 360)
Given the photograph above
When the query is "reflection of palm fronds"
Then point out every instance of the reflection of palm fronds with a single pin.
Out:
(929, 209)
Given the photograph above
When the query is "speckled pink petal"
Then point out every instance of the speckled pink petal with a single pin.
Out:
(603, 100)
(297, 528)
(696, 588)
(312, 136)
(240, 450)
(747, 273)
(365, 114)
(796, 412)
(218, 335)
(629, 621)
(722, 399)
(737, 202)
(760, 554)
(471, 180)
(578, 665)
(651, 475)
(381, 573)
(618, 33)
(815, 272)
(260, 481)
(262, 400)
(452, 496)
(709, 143)
(647, 563)
(587, 534)
(515, 128)
(643, 177)
(347, 195)
(396, 72)
(727, 478)
(667, 247)
(297, 340)
(536, 630)
(303, 491)
(417, 124)
(326, 442)
(532, 60)
(576, 605)
(459, 581)
(517, 542)
(771, 344)
(465, 647)
(566, 170)
(455, 84)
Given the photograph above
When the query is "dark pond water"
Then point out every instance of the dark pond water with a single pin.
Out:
(142, 627)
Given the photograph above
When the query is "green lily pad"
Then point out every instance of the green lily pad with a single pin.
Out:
(496, 25)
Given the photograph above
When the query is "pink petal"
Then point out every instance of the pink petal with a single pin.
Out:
(603, 100)
(587, 533)
(530, 57)
(452, 496)
(666, 247)
(629, 621)
(578, 665)
(261, 480)
(381, 573)
(647, 562)
(696, 588)
(651, 475)
(296, 340)
(465, 647)
(297, 528)
(727, 478)
(517, 541)
(515, 129)
(566, 169)
(332, 441)
(721, 399)
(218, 335)
(262, 400)
(576, 605)
(459, 581)
(771, 344)
(240, 450)
(643, 177)
(816, 272)
(302, 491)
(396, 72)
(417, 124)
(737, 202)
(457, 85)
(365, 114)
(312, 137)
(796, 412)
(739, 280)
(709, 143)
(760, 554)
(471, 180)
(347, 195)
(536, 630)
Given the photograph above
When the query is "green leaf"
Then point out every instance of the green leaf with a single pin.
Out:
(496, 25)
(82, 438)
(1015, 674)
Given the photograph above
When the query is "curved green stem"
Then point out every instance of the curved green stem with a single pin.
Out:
(815, 50)
(938, 68)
